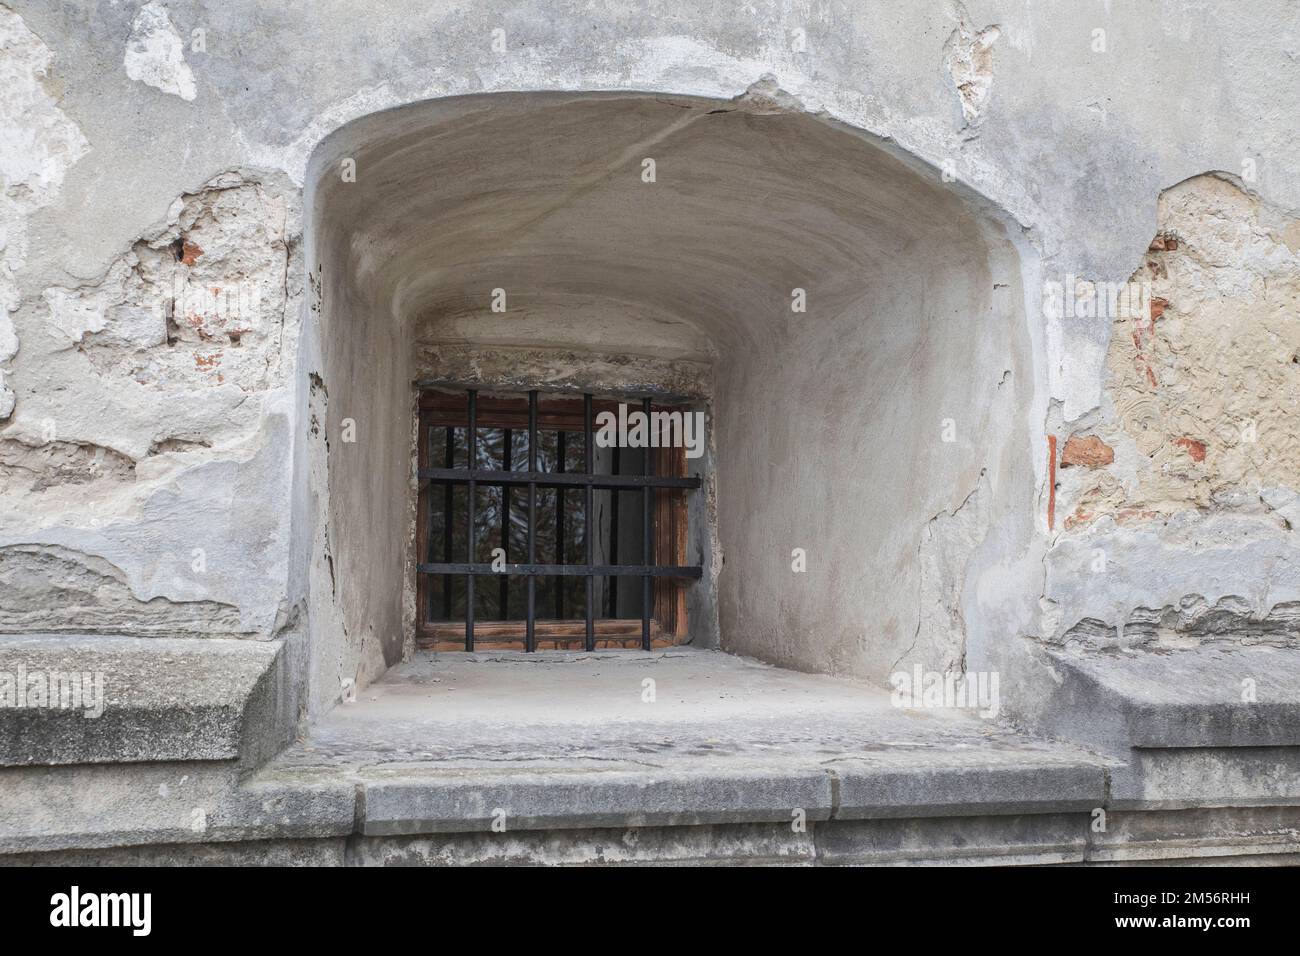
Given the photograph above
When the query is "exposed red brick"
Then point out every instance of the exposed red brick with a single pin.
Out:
(1086, 450)
(1051, 482)
(1155, 310)
(1194, 448)
(190, 252)
(1080, 517)
(1163, 243)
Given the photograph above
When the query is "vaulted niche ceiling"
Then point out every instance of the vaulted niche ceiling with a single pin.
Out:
(826, 422)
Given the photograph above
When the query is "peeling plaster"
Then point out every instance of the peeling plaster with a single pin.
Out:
(166, 460)
(1108, 573)
(200, 299)
(38, 144)
(52, 589)
(39, 467)
(1204, 390)
(155, 53)
(1180, 526)
(1192, 622)
(968, 60)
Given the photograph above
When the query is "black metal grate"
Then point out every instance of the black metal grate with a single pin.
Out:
(471, 477)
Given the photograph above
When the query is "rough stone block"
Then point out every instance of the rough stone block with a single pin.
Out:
(1205, 697)
(116, 805)
(948, 841)
(592, 799)
(96, 699)
(945, 786)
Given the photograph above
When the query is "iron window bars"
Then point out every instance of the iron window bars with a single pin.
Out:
(472, 476)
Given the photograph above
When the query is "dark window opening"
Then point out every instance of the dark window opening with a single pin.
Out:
(531, 535)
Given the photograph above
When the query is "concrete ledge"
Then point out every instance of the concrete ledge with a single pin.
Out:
(1177, 778)
(1216, 835)
(85, 807)
(1194, 698)
(163, 699)
(992, 784)
(909, 807)
(537, 746)
(445, 745)
(306, 852)
(1010, 840)
(466, 802)
(117, 805)
(1261, 836)
(911, 783)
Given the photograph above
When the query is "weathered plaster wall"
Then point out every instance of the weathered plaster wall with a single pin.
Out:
(878, 433)
(38, 142)
(1196, 446)
(1202, 389)
(404, 254)
(895, 372)
(145, 447)
(114, 112)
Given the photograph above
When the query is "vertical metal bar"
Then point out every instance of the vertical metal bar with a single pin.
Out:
(430, 514)
(559, 525)
(448, 512)
(586, 522)
(612, 581)
(647, 503)
(530, 637)
(470, 544)
(507, 456)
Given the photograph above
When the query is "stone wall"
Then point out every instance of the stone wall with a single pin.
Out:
(163, 418)
(1196, 444)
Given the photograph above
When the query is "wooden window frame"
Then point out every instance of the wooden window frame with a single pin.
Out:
(668, 622)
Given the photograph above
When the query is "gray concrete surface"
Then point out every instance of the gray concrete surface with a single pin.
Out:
(1231, 838)
(564, 740)
(1213, 696)
(97, 806)
(124, 699)
(565, 708)
(556, 758)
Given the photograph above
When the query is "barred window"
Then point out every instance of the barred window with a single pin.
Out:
(538, 538)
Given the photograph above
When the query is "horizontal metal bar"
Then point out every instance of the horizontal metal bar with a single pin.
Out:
(564, 570)
(553, 479)
(576, 391)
